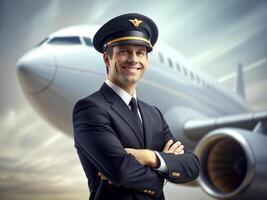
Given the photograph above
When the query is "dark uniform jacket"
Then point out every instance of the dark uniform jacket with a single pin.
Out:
(103, 126)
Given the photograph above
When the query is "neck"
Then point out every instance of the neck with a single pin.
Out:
(130, 89)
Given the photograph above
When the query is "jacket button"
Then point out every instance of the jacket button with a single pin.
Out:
(175, 174)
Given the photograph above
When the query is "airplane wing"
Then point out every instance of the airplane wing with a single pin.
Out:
(195, 129)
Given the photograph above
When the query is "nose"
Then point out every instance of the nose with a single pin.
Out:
(132, 58)
(36, 70)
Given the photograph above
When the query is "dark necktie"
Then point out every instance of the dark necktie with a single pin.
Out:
(134, 110)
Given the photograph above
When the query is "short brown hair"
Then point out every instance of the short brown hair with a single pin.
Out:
(109, 51)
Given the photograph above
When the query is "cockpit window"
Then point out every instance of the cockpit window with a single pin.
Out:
(65, 41)
(88, 41)
(43, 41)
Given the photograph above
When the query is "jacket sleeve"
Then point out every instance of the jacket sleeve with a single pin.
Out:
(94, 135)
(181, 168)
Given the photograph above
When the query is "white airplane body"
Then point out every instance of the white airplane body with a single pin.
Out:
(200, 112)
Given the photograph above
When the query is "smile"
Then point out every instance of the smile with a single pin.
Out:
(131, 68)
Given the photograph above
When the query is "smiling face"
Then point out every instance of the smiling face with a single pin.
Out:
(127, 65)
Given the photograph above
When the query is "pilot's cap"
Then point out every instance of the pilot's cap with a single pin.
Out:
(126, 29)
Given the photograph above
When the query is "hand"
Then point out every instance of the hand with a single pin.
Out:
(139, 154)
(175, 148)
(104, 178)
(145, 157)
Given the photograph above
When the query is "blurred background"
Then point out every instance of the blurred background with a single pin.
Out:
(39, 162)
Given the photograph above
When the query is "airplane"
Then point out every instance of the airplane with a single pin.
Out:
(213, 122)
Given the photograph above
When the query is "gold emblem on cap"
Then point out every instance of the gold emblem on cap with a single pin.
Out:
(135, 22)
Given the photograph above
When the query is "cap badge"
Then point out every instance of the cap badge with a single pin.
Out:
(135, 22)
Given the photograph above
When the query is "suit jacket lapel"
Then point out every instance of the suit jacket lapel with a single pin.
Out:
(119, 106)
(146, 124)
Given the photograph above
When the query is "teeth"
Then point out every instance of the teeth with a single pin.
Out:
(131, 68)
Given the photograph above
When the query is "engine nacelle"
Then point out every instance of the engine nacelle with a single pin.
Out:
(233, 164)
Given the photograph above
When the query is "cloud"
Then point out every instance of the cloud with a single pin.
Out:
(233, 38)
(259, 63)
(36, 161)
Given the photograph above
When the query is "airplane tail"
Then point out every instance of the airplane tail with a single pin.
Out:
(240, 84)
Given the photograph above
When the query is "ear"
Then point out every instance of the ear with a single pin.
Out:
(106, 59)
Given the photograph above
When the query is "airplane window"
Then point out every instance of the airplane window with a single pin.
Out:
(43, 41)
(88, 41)
(65, 40)
(161, 58)
(178, 67)
(191, 75)
(170, 62)
(185, 71)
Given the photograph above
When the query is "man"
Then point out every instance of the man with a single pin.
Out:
(125, 145)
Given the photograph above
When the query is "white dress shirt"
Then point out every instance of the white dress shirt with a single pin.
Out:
(126, 97)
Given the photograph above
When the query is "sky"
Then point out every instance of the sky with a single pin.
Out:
(39, 162)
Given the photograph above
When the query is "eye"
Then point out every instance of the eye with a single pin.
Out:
(141, 53)
(122, 51)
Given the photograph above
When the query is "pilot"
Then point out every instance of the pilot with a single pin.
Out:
(124, 144)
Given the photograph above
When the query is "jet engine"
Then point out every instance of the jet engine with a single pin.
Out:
(233, 164)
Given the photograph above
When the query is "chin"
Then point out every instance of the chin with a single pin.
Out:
(131, 81)
(132, 78)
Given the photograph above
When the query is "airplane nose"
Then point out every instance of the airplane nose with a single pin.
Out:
(36, 70)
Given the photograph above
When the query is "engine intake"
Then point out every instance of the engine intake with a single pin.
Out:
(232, 164)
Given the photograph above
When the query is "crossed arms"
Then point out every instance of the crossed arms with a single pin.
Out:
(147, 157)
(129, 168)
